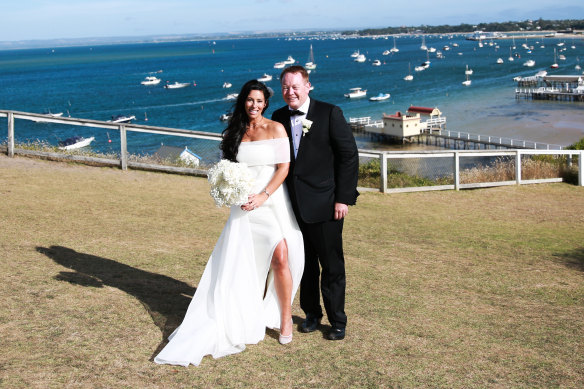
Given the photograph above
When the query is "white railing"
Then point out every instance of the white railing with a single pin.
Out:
(455, 157)
(495, 140)
(123, 128)
(383, 156)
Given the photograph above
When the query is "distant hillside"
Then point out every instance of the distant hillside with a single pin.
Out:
(527, 25)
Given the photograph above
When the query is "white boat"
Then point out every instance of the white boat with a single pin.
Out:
(53, 115)
(432, 49)
(468, 71)
(151, 80)
(510, 59)
(394, 49)
(379, 97)
(467, 82)
(562, 57)
(360, 58)
(355, 54)
(555, 64)
(227, 85)
(279, 65)
(529, 63)
(423, 46)
(231, 96)
(177, 85)
(409, 77)
(577, 67)
(541, 73)
(356, 92)
(386, 52)
(49, 114)
(225, 117)
(310, 65)
(75, 142)
(500, 60)
(265, 78)
(376, 63)
(289, 60)
(122, 119)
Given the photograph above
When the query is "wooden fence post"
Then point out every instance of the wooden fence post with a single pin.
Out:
(10, 118)
(383, 173)
(123, 148)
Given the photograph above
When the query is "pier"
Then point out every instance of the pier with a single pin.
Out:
(431, 132)
(566, 88)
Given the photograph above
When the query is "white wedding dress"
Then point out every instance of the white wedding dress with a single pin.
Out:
(229, 308)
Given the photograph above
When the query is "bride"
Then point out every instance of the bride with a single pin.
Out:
(254, 271)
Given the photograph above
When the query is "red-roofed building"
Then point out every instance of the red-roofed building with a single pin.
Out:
(401, 126)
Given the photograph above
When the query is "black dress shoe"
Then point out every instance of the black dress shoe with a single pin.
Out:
(336, 334)
(310, 324)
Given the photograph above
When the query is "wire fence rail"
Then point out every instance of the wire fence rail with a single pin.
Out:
(383, 171)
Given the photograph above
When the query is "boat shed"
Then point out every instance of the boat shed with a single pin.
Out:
(171, 153)
(402, 126)
(432, 112)
(566, 82)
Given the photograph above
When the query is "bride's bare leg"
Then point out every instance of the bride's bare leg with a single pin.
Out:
(283, 285)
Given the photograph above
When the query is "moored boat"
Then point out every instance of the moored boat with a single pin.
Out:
(356, 92)
(177, 85)
(122, 119)
(151, 80)
(379, 97)
(265, 78)
(310, 65)
(75, 142)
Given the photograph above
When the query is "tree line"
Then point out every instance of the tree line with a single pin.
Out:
(526, 25)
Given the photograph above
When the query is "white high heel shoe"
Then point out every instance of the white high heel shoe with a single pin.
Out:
(285, 339)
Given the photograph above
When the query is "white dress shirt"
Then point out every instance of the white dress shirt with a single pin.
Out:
(296, 125)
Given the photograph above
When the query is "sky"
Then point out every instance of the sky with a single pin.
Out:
(59, 19)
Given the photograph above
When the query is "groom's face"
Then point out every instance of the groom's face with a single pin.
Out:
(295, 89)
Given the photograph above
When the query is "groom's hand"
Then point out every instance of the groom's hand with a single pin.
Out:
(341, 210)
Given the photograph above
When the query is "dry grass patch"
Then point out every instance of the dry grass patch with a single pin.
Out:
(478, 288)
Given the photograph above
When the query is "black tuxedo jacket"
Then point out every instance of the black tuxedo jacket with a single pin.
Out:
(326, 168)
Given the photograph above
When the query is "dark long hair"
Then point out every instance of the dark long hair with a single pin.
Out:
(238, 122)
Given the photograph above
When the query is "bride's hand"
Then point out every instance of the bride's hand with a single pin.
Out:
(254, 201)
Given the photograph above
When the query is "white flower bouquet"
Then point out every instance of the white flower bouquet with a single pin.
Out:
(306, 124)
(231, 183)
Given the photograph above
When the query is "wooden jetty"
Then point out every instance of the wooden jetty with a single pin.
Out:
(432, 132)
(567, 88)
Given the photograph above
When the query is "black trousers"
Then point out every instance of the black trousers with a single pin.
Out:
(323, 248)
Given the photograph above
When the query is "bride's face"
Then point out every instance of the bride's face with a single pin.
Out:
(255, 104)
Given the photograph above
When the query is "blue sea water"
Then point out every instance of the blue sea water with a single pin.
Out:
(97, 82)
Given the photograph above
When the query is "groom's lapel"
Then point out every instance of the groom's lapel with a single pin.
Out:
(309, 116)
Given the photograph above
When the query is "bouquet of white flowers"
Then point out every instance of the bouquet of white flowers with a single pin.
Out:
(231, 183)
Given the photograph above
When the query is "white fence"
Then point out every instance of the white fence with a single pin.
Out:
(451, 159)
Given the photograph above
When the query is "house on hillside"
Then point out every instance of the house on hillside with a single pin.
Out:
(176, 154)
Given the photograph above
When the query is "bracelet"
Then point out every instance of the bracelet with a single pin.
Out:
(266, 192)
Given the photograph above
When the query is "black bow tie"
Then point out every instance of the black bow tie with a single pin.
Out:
(296, 112)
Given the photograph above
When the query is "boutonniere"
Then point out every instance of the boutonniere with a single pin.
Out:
(306, 124)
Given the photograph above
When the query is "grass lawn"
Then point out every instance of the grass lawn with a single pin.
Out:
(470, 289)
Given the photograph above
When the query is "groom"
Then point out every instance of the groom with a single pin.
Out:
(322, 183)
